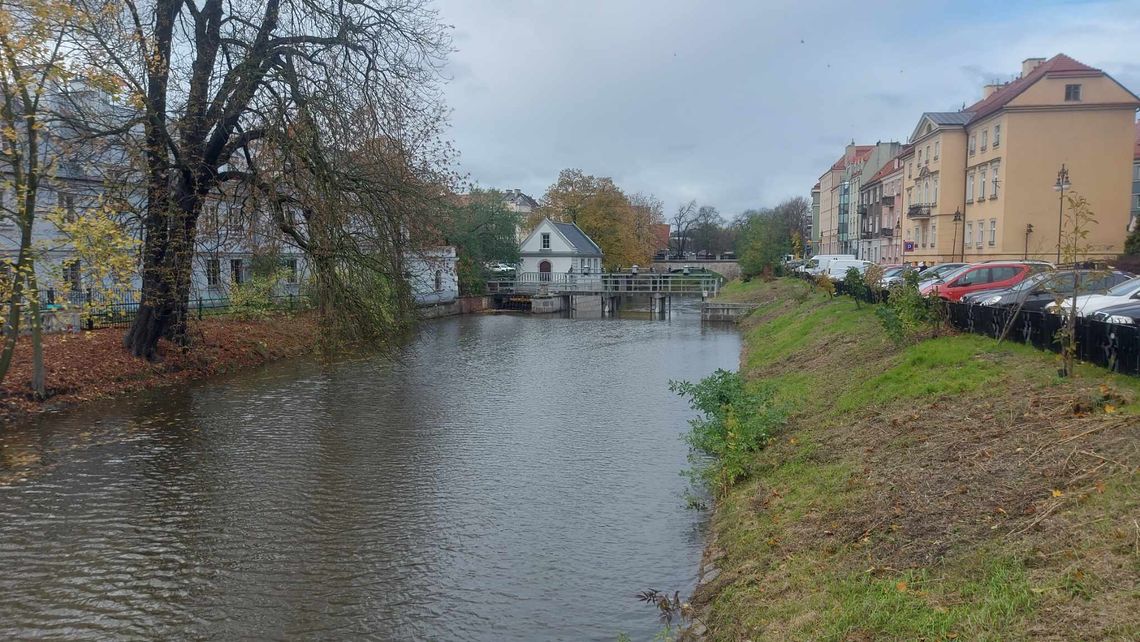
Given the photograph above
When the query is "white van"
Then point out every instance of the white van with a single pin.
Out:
(818, 264)
(837, 269)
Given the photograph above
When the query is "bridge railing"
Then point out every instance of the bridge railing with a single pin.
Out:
(543, 283)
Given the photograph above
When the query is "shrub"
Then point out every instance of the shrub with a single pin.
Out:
(253, 299)
(907, 314)
(873, 277)
(854, 284)
(736, 421)
(824, 282)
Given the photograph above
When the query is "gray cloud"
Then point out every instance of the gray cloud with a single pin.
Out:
(721, 101)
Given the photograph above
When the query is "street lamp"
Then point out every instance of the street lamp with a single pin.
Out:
(898, 237)
(957, 220)
(1061, 185)
(1028, 231)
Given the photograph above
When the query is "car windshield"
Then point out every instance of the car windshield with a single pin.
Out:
(941, 271)
(892, 271)
(1128, 288)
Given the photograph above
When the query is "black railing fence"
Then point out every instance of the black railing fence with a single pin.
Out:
(118, 309)
(1113, 346)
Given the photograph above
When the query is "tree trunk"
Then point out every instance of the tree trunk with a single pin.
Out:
(39, 387)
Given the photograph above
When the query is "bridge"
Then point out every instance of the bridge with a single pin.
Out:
(547, 292)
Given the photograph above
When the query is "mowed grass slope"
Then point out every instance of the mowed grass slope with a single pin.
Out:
(950, 489)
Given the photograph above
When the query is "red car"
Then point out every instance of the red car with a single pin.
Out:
(983, 276)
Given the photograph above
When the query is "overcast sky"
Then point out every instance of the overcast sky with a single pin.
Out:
(741, 103)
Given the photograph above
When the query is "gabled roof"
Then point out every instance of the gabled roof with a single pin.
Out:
(891, 167)
(1059, 64)
(941, 119)
(577, 238)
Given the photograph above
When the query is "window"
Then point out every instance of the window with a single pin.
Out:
(982, 183)
(213, 273)
(993, 232)
(997, 136)
(546, 240)
(969, 233)
(290, 266)
(933, 235)
(920, 158)
(970, 187)
(985, 139)
(981, 231)
(73, 275)
(909, 200)
(439, 280)
(1003, 273)
(1136, 201)
(926, 192)
(994, 192)
(973, 140)
(935, 201)
(924, 237)
(1072, 93)
(236, 275)
(909, 166)
(928, 154)
(937, 144)
(67, 201)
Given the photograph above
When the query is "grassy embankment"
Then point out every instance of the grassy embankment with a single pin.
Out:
(954, 488)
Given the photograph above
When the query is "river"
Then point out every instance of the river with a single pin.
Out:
(505, 478)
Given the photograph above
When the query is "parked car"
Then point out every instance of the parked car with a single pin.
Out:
(1043, 288)
(837, 269)
(1126, 292)
(981, 276)
(1123, 314)
(937, 272)
(501, 268)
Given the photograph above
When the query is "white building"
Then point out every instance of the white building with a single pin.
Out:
(559, 248)
(432, 275)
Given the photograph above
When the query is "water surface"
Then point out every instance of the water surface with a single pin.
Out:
(507, 478)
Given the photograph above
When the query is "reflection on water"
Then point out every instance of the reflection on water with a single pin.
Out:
(507, 478)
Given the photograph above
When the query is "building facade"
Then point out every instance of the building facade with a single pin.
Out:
(981, 183)
(813, 229)
(559, 248)
(880, 214)
(1134, 222)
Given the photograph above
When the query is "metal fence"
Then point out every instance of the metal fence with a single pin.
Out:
(1113, 346)
(118, 309)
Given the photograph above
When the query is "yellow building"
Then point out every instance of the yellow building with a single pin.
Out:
(976, 180)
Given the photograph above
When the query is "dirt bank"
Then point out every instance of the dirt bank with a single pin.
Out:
(93, 365)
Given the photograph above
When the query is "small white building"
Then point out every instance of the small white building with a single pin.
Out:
(432, 275)
(559, 248)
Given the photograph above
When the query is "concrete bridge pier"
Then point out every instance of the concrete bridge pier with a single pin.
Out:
(660, 303)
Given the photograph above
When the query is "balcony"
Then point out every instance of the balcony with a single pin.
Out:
(889, 201)
(862, 210)
(918, 211)
(866, 235)
(887, 232)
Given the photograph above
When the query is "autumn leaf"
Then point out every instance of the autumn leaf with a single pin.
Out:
(1109, 408)
(1057, 492)
(901, 586)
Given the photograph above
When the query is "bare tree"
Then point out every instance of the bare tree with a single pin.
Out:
(682, 222)
(232, 91)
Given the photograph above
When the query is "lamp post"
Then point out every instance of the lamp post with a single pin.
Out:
(1028, 231)
(1061, 185)
(898, 237)
(957, 220)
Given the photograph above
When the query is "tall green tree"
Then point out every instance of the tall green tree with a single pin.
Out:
(483, 230)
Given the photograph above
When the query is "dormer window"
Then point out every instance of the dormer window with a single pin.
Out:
(546, 240)
(1072, 93)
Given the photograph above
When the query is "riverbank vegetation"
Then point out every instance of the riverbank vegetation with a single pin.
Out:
(937, 488)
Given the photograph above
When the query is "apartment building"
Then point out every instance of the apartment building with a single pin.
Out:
(839, 195)
(880, 212)
(813, 235)
(1134, 221)
(980, 182)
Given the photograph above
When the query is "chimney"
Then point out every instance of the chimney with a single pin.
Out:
(1029, 64)
(988, 90)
